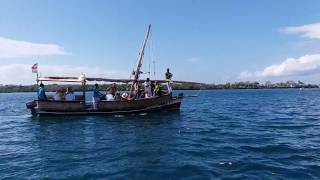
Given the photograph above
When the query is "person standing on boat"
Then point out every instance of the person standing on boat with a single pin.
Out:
(147, 88)
(153, 85)
(168, 77)
(96, 96)
(168, 74)
(42, 93)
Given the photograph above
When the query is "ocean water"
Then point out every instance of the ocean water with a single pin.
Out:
(236, 134)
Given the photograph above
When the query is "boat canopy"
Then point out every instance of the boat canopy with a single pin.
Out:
(139, 80)
(61, 79)
(84, 79)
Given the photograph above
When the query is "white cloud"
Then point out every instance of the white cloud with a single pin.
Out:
(21, 73)
(306, 64)
(10, 48)
(311, 31)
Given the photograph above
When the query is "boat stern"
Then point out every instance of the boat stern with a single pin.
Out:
(32, 105)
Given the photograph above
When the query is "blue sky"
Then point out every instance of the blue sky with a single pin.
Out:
(207, 41)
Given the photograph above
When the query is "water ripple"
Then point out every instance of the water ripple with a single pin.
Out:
(222, 134)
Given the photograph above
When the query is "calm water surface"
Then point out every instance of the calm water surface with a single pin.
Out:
(249, 134)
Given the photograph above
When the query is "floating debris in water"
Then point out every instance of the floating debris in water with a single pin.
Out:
(143, 114)
(119, 115)
(224, 162)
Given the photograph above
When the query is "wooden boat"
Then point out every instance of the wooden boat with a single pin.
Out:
(119, 106)
(167, 103)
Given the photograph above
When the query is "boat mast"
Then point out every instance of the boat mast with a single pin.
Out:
(140, 58)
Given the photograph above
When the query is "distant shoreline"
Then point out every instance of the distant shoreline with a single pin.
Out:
(177, 90)
(121, 87)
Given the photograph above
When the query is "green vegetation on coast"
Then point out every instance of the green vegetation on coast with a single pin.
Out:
(237, 85)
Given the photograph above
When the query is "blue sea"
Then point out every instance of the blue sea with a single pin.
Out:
(221, 134)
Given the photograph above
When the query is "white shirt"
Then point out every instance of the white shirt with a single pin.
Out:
(70, 97)
(147, 88)
(109, 97)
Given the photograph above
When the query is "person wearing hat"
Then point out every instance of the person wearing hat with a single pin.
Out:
(42, 93)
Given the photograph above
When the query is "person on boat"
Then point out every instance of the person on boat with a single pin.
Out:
(169, 77)
(147, 88)
(96, 96)
(112, 89)
(70, 95)
(157, 89)
(63, 94)
(42, 93)
(57, 96)
(135, 92)
(117, 96)
(142, 94)
(153, 85)
(168, 74)
(109, 96)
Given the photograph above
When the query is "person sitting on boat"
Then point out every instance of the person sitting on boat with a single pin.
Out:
(96, 96)
(57, 96)
(169, 77)
(142, 94)
(147, 88)
(70, 95)
(109, 96)
(112, 89)
(42, 93)
(157, 89)
(63, 94)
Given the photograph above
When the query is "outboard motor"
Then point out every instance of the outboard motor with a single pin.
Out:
(31, 104)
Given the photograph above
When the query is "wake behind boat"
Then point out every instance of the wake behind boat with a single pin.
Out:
(132, 101)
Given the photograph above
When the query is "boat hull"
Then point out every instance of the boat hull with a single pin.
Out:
(131, 105)
(63, 106)
(165, 103)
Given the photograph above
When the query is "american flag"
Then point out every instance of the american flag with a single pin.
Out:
(35, 68)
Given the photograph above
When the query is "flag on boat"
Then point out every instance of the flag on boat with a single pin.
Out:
(35, 68)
